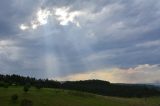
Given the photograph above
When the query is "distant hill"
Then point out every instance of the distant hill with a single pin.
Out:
(111, 89)
(92, 86)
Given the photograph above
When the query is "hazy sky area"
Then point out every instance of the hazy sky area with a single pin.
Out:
(114, 40)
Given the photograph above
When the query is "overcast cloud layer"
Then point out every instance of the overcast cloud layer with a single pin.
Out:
(115, 40)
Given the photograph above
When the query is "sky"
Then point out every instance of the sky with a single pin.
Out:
(113, 40)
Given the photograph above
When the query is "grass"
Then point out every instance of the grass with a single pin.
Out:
(56, 97)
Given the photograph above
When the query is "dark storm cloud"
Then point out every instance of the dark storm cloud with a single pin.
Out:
(13, 13)
(111, 34)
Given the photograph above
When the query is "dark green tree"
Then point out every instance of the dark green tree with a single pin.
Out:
(26, 88)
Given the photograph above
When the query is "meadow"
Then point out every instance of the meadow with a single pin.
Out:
(59, 97)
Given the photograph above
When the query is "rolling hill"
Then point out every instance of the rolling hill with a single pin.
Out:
(60, 97)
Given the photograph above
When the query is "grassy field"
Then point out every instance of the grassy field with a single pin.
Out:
(55, 97)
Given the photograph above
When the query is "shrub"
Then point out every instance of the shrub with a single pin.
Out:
(26, 88)
(26, 102)
(14, 97)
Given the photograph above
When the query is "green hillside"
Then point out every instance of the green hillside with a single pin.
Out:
(55, 97)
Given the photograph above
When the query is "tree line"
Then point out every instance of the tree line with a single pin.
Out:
(92, 86)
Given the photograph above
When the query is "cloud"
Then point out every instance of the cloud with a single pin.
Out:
(141, 74)
(63, 15)
(41, 18)
(149, 44)
(50, 39)
(8, 51)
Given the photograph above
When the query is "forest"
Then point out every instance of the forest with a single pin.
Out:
(99, 87)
